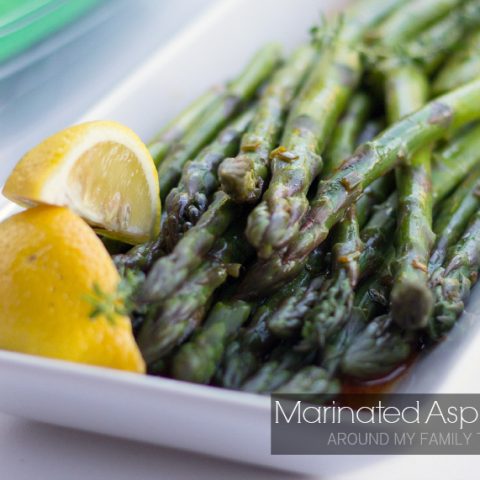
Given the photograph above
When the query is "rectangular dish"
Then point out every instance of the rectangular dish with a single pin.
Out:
(204, 419)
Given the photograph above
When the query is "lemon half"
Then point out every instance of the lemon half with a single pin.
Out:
(102, 171)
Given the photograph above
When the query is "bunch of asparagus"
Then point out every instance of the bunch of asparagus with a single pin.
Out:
(315, 231)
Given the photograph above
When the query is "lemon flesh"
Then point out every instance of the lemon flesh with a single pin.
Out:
(102, 171)
(51, 260)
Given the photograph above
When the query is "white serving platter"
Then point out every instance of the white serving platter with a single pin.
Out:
(167, 412)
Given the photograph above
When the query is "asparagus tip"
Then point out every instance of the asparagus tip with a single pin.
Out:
(412, 305)
(238, 179)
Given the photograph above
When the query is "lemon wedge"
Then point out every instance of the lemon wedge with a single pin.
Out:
(100, 170)
(51, 263)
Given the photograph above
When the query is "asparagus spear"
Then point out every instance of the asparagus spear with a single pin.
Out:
(182, 124)
(243, 177)
(369, 300)
(244, 355)
(450, 166)
(335, 300)
(326, 303)
(297, 161)
(360, 19)
(311, 380)
(454, 162)
(279, 368)
(140, 257)
(238, 92)
(173, 320)
(320, 303)
(406, 22)
(406, 90)
(197, 360)
(454, 215)
(411, 299)
(169, 272)
(371, 160)
(431, 47)
(287, 320)
(421, 128)
(377, 350)
(453, 281)
(381, 347)
(363, 15)
(463, 66)
(376, 234)
(378, 190)
(345, 135)
(373, 195)
(188, 201)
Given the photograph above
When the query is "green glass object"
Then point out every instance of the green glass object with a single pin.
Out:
(23, 23)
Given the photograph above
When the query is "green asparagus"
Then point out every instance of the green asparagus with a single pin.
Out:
(371, 160)
(296, 162)
(197, 360)
(243, 177)
(376, 234)
(463, 66)
(280, 367)
(237, 93)
(454, 162)
(181, 125)
(454, 215)
(432, 46)
(335, 297)
(287, 320)
(349, 128)
(407, 22)
(173, 320)
(186, 203)
(354, 308)
(450, 166)
(452, 282)
(311, 380)
(361, 17)
(370, 300)
(140, 257)
(411, 299)
(377, 350)
(378, 190)
(169, 272)
(335, 300)
(326, 303)
(244, 355)
(373, 195)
